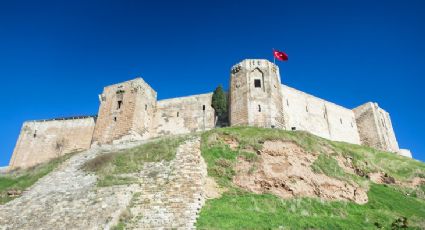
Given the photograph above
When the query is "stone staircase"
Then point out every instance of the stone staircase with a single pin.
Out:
(171, 194)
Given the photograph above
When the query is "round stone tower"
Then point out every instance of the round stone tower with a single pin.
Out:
(256, 94)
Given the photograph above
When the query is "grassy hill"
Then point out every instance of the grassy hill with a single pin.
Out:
(389, 206)
(394, 184)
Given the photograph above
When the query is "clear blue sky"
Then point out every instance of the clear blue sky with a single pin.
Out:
(55, 57)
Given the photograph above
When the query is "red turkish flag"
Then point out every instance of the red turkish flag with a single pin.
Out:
(279, 55)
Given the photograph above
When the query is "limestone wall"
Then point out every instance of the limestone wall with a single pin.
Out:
(319, 117)
(184, 115)
(405, 153)
(255, 94)
(40, 141)
(375, 127)
(238, 97)
(126, 112)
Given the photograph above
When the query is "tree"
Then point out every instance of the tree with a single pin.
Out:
(219, 103)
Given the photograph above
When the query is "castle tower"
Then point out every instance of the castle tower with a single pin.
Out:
(126, 112)
(375, 128)
(256, 94)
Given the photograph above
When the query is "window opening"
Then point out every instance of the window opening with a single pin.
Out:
(257, 83)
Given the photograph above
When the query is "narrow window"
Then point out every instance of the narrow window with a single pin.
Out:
(178, 114)
(203, 107)
(352, 125)
(287, 102)
(119, 104)
(306, 109)
(115, 118)
(340, 120)
(257, 83)
(293, 128)
(35, 134)
(259, 108)
(146, 107)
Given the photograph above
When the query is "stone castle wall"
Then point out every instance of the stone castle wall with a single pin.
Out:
(40, 141)
(375, 127)
(320, 117)
(130, 111)
(255, 94)
(184, 115)
(126, 112)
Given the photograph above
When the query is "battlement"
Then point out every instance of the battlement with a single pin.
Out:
(255, 63)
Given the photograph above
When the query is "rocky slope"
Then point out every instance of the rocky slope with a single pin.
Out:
(166, 194)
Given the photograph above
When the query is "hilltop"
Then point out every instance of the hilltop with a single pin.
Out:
(227, 178)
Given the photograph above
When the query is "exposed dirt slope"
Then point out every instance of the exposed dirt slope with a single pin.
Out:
(284, 169)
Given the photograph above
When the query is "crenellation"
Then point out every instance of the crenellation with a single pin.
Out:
(130, 111)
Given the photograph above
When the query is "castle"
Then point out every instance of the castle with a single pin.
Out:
(130, 111)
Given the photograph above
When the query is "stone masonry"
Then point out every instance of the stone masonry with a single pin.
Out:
(255, 95)
(167, 195)
(375, 127)
(172, 194)
(68, 198)
(130, 111)
(40, 141)
(126, 112)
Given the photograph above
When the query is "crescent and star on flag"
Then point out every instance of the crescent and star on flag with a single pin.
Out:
(279, 55)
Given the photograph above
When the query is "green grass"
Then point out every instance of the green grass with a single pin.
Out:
(113, 168)
(239, 209)
(23, 179)
(251, 211)
(372, 160)
(328, 165)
